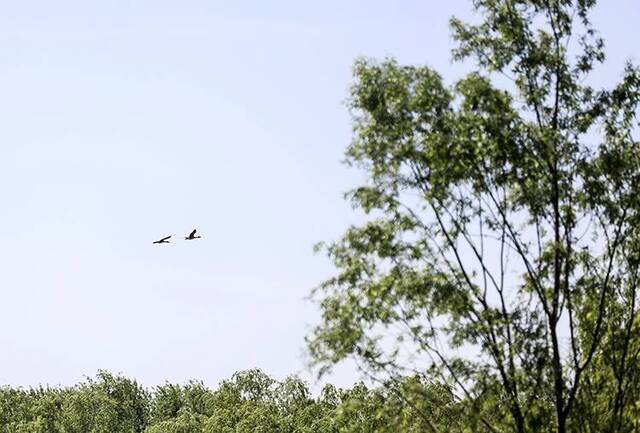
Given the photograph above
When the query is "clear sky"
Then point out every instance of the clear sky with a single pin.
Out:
(124, 121)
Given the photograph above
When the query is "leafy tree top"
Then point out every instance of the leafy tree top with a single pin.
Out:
(502, 251)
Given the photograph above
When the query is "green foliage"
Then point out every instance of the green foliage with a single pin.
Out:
(502, 251)
(105, 404)
(249, 402)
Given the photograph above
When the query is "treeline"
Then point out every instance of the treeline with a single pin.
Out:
(249, 402)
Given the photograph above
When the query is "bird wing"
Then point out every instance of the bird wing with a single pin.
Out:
(192, 233)
(164, 239)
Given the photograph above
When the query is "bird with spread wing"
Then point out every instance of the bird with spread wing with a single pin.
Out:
(192, 236)
(163, 240)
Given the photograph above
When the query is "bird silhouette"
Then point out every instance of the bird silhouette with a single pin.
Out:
(192, 236)
(163, 240)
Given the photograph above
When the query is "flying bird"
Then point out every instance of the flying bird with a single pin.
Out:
(163, 240)
(192, 236)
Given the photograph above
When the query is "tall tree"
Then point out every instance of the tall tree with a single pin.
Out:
(502, 250)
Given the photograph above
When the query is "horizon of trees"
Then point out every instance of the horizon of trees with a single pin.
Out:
(248, 402)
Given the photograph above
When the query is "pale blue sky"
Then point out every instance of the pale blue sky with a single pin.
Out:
(123, 121)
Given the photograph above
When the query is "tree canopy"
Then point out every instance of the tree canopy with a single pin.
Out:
(249, 402)
(501, 251)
